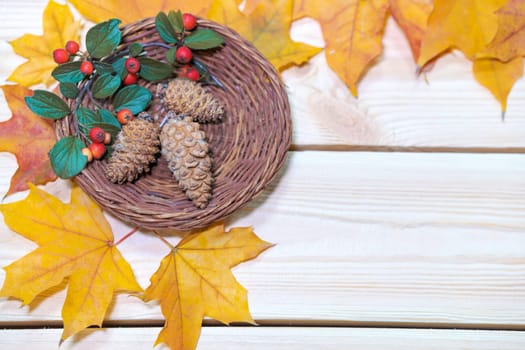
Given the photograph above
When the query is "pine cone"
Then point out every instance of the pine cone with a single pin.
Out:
(186, 97)
(186, 151)
(134, 150)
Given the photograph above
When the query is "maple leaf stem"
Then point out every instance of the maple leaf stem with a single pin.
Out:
(126, 236)
(164, 240)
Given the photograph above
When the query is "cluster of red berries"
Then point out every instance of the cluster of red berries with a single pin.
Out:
(132, 67)
(184, 54)
(97, 148)
(71, 49)
(100, 138)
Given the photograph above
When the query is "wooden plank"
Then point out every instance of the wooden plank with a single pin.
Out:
(362, 238)
(254, 338)
(395, 109)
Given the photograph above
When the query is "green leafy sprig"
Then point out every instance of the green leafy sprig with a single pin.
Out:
(106, 83)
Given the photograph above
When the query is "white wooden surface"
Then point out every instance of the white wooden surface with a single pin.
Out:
(432, 235)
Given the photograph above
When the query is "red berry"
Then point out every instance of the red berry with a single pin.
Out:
(97, 149)
(183, 54)
(124, 116)
(184, 70)
(193, 74)
(72, 47)
(87, 152)
(132, 65)
(189, 21)
(86, 68)
(60, 56)
(97, 134)
(107, 138)
(130, 79)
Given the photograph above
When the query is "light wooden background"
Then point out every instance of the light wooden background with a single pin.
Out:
(399, 219)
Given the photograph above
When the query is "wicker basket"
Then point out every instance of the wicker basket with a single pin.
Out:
(248, 146)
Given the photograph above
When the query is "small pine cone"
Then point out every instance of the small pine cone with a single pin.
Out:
(186, 97)
(186, 151)
(134, 150)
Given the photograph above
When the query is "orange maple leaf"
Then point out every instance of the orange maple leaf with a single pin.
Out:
(509, 41)
(194, 280)
(266, 24)
(470, 26)
(352, 31)
(29, 138)
(412, 17)
(133, 10)
(59, 26)
(462, 24)
(75, 242)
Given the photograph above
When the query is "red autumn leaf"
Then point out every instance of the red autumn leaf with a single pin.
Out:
(29, 138)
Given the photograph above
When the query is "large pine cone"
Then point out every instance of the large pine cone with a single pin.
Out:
(134, 150)
(188, 98)
(187, 153)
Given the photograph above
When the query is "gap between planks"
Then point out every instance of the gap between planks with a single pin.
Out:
(402, 149)
(257, 338)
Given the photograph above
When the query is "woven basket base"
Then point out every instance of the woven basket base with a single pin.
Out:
(248, 146)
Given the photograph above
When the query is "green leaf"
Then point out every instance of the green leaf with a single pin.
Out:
(68, 73)
(105, 86)
(165, 28)
(47, 105)
(202, 39)
(135, 49)
(103, 38)
(66, 157)
(102, 118)
(69, 90)
(154, 70)
(119, 66)
(176, 21)
(133, 97)
(171, 55)
(103, 67)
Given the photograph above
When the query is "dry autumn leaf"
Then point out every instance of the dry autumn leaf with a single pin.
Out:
(498, 77)
(462, 24)
(133, 10)
(29, 138)
(509, 41)
(470, 26)
(59, 26)
(74, 242)
(195, 281)
(412, 17)
(352, 31)
(266, 24)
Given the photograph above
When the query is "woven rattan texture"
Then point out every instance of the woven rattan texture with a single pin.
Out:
(248, 146)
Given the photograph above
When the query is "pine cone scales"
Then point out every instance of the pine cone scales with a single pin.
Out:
(186, 97)
(134, 150)
(186, 151)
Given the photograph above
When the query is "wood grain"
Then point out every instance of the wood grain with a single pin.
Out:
(263, 338)
(396, 108)
(362, 238)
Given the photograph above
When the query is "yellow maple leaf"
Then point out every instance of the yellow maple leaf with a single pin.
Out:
(194, 280)
(133, 10)
(59, 26)
(412, 17)
(462, 24)
(75, 242)
(498, 77)
(266, 24)
(509, 41)
(352, 31)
